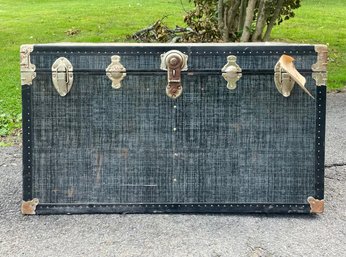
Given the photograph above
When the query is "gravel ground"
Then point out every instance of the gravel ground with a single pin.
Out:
(182, 235)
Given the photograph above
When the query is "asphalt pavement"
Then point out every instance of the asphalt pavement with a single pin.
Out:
(182, 235)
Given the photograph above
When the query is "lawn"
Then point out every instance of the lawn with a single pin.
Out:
(42, 21)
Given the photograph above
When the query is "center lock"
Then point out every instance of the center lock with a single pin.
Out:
(174, 62)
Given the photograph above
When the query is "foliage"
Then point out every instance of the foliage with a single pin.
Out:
(203, 22)
(8, 123)
(214, 20)
(224, 20)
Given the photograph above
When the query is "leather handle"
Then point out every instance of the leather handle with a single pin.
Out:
(286, 75)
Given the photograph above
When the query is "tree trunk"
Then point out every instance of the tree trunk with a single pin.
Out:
(248, 20)
(261, 21)
(273, 20)
(225, 34)
(220, 15)
(232, 22)
(242, 14)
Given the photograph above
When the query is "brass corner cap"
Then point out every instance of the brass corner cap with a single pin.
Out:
(29, 207)
(29, 47)
(27, 69)
(322, 59)
(321, 48)
(316, 205)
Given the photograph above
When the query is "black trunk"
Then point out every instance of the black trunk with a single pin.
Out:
(136, 150)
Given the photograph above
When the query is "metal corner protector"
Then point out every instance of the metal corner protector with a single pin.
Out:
(29, 207)
(316, 205)
(27, 69)
(322, 59)
(319, 68)
(320, 78)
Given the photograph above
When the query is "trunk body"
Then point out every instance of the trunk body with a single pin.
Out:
(136, 150)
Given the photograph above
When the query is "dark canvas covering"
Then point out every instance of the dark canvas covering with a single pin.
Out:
(134, 149)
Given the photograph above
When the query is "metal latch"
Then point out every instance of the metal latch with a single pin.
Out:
(286, 75)
(174, 62)
(62, 75)
(231, 72)
(116, 72)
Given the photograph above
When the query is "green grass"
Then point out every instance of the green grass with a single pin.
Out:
(320, 21)
(43, 21)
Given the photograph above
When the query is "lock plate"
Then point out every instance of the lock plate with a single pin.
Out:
(174, 62)
(62, 75)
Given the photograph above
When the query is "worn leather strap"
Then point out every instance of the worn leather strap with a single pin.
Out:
(286, 64)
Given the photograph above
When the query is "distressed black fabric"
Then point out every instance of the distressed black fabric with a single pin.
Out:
(137, 145)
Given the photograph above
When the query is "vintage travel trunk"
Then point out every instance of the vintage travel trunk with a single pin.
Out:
(173, 128)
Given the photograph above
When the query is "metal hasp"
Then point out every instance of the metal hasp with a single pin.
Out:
(62, 75)
(29, 207)
(319, 68)
(27, 69)
(174, 62)
(316, 206)
(116, 72)
(231, 72)
(286, 75)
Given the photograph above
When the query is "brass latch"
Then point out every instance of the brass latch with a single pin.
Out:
(62, 75)
(174, 62)
(286, 75)
(116, 72)
(231, 72)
